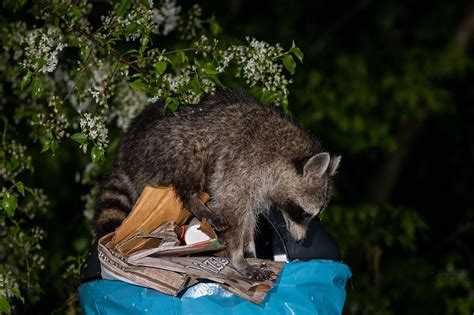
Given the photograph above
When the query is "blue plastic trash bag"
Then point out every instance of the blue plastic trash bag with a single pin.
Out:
(310, 287)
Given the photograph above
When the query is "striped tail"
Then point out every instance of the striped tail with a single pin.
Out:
(114, 202)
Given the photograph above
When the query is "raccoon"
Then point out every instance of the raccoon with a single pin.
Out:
(245, 155)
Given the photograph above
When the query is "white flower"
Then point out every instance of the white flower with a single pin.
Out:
(258, 64)
(93, 127)
(42, 47)
(166, 17)
(128, 104)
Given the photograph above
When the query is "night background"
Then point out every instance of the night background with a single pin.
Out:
(385, 84)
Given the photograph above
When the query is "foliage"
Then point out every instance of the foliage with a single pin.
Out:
(78, 72)
(371, 105)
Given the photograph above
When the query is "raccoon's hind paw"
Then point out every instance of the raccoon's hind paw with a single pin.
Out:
(258, 273)
(218, 224)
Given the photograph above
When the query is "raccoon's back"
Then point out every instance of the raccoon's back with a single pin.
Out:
(223, 122)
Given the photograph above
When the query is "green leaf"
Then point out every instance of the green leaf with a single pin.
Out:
(76, 12)
(9, 204)
(123, 7)
(172, 104)
(79, 137)
(46, 146)
(20, 187)
(26, 79)
(32, 192)
(270, 96)
(54, 145)
(297, 52)
(96, 154)
(209, 68)
(160, 66)
(36, 86)
(138, 85)
(145, 40)
(17, 294)
(196, 85)
(181, 56)
(131, 28)
(284, 103)
(289, 63)
(68, 260)
(85, 51)
(4, 305)
(215, 27)
(145, 3)
(217, 81)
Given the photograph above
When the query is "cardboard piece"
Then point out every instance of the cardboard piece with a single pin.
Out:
(155, 206)
(114, 267)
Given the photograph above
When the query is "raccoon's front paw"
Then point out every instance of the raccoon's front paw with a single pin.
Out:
(218, 224)
(258, 273)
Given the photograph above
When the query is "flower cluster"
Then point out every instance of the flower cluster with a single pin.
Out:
(191, 23)
(227, 57)
(8, 284)
(202, 44)
(258, 64)
(166, 17)
(94, 128)
(55, 123)
(176, 85)
(14, 160)
(172, 84)
(38, 204)
(21, 255)
(128, 104)
(98, 85)
(42, 47)
(132, 26)
(12, 43)
(101, 82)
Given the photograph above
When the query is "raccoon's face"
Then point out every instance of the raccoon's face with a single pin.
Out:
(308, 194)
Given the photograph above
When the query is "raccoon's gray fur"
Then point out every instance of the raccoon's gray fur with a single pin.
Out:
(245, 155)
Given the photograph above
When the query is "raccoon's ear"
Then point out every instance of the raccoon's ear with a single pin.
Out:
(334, 164)
(317, 165)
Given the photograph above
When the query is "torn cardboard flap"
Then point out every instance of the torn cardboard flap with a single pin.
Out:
(146, 250)
(155, 206)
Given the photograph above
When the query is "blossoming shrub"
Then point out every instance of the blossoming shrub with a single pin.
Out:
(77, 71)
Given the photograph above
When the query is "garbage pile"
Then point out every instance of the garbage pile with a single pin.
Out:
(161, 246)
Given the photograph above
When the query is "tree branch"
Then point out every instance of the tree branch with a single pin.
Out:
(113, 52)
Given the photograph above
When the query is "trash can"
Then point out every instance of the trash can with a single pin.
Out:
(312, 282)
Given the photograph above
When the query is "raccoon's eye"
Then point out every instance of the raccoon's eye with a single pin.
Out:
(296, 213)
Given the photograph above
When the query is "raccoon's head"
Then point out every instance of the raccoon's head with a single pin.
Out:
(306, 193)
